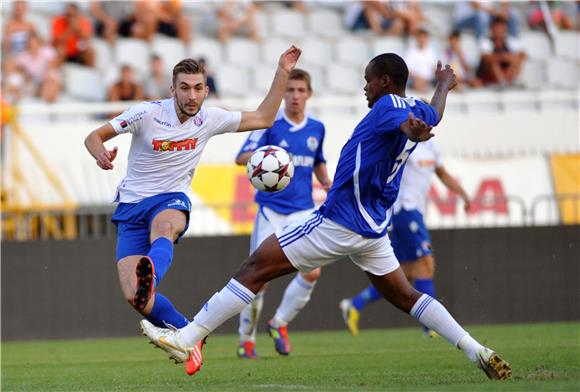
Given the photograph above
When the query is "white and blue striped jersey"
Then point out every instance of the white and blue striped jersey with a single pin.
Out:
(304, 144)
(370, 166)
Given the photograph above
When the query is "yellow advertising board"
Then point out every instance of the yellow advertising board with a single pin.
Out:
(566, 174)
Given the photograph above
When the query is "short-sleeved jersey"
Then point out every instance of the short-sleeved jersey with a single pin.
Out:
(165, 152)
(417, 177)
(304, 144)
(370, 166)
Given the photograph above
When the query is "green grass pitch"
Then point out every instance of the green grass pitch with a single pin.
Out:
(543, 357)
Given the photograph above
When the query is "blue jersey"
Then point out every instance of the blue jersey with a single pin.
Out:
(304, 144)
(370, 166)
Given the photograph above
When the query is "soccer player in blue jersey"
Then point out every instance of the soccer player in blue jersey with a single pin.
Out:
(302, 136)
(352, 222)
(409, 235)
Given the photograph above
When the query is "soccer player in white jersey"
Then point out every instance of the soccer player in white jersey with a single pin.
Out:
(168, 138)
(409, 235)
(352, 222)
(302, 136)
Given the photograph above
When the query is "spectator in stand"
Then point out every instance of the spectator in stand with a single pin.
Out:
(112, 18)
(126, 89)
(454, 56)
(210, 79)
(171, 20)
(296, 5)
(13, 80)
(542, 13)
(237, 17)
(378, 16)
(157, 85)
(41, 66)
(411, 14)
(17, 30)
(72, 33)
(501, 56)
(421, 60)
(476, 15)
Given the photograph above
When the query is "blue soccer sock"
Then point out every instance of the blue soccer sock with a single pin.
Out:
(161, 253)
(426, 286)
(164, 313)
(365, 297)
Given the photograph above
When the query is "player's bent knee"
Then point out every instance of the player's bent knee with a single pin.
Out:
(311, 276)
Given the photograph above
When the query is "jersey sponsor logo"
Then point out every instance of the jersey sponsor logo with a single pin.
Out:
(312, 143)
(123, 124)
(171, 145)
(197, 121)
(177, 202)
(284, 143)
(160, 122)
(302, 160)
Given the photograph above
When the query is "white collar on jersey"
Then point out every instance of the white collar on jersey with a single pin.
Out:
(170, 106)
(295, 127)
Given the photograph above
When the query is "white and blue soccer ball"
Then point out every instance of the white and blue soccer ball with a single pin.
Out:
(270, 169)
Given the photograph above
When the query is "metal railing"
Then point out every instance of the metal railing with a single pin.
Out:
(94, 222)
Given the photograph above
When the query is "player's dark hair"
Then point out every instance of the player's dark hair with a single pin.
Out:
(188, 67)
(300, 74)
(392, 65)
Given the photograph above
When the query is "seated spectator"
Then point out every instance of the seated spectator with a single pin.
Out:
(454, 56)
(72, 34)
(501, 56)
(126, 89)
(41, 66)
(17, 30)
(157, 85)
(172, 22)
(542, 14)
(476, 15)
(237, 17)
(112, 18)
(422, 61)
(210, 79)
(13, 80)
(411, 14)
(375, 15)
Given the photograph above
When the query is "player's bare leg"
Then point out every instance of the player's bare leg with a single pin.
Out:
(428, 311)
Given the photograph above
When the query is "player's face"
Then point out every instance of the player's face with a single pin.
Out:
(374, 87)
(296, 95)
(189, 92)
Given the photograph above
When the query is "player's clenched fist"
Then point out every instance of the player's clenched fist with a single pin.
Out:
(289, 58)
(446, 75)
(105, 158)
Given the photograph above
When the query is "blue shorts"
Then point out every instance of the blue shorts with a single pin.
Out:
(410, 237)
(134, 220)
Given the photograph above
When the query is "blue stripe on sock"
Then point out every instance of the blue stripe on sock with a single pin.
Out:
(311, 226)
(243, 296)
(240, 291)
(422, 307)
(302, 283)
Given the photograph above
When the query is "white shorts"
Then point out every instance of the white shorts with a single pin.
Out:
(268, 221)
(317, 241)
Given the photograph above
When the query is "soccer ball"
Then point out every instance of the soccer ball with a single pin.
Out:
(270, 169)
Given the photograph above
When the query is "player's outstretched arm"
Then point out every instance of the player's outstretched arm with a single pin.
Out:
(321, 174)
(265, 114)
(453, 184)
(94, 143)
(243, 158)
(445, 82)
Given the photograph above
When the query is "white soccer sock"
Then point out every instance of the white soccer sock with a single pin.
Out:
(295, 297)
(228, 302)
(433, 315)
(249, 319)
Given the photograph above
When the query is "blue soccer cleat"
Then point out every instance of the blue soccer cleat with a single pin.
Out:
(247, 350)
(280, 337)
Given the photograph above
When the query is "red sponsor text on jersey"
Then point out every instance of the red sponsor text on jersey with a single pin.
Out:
(171, 145)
